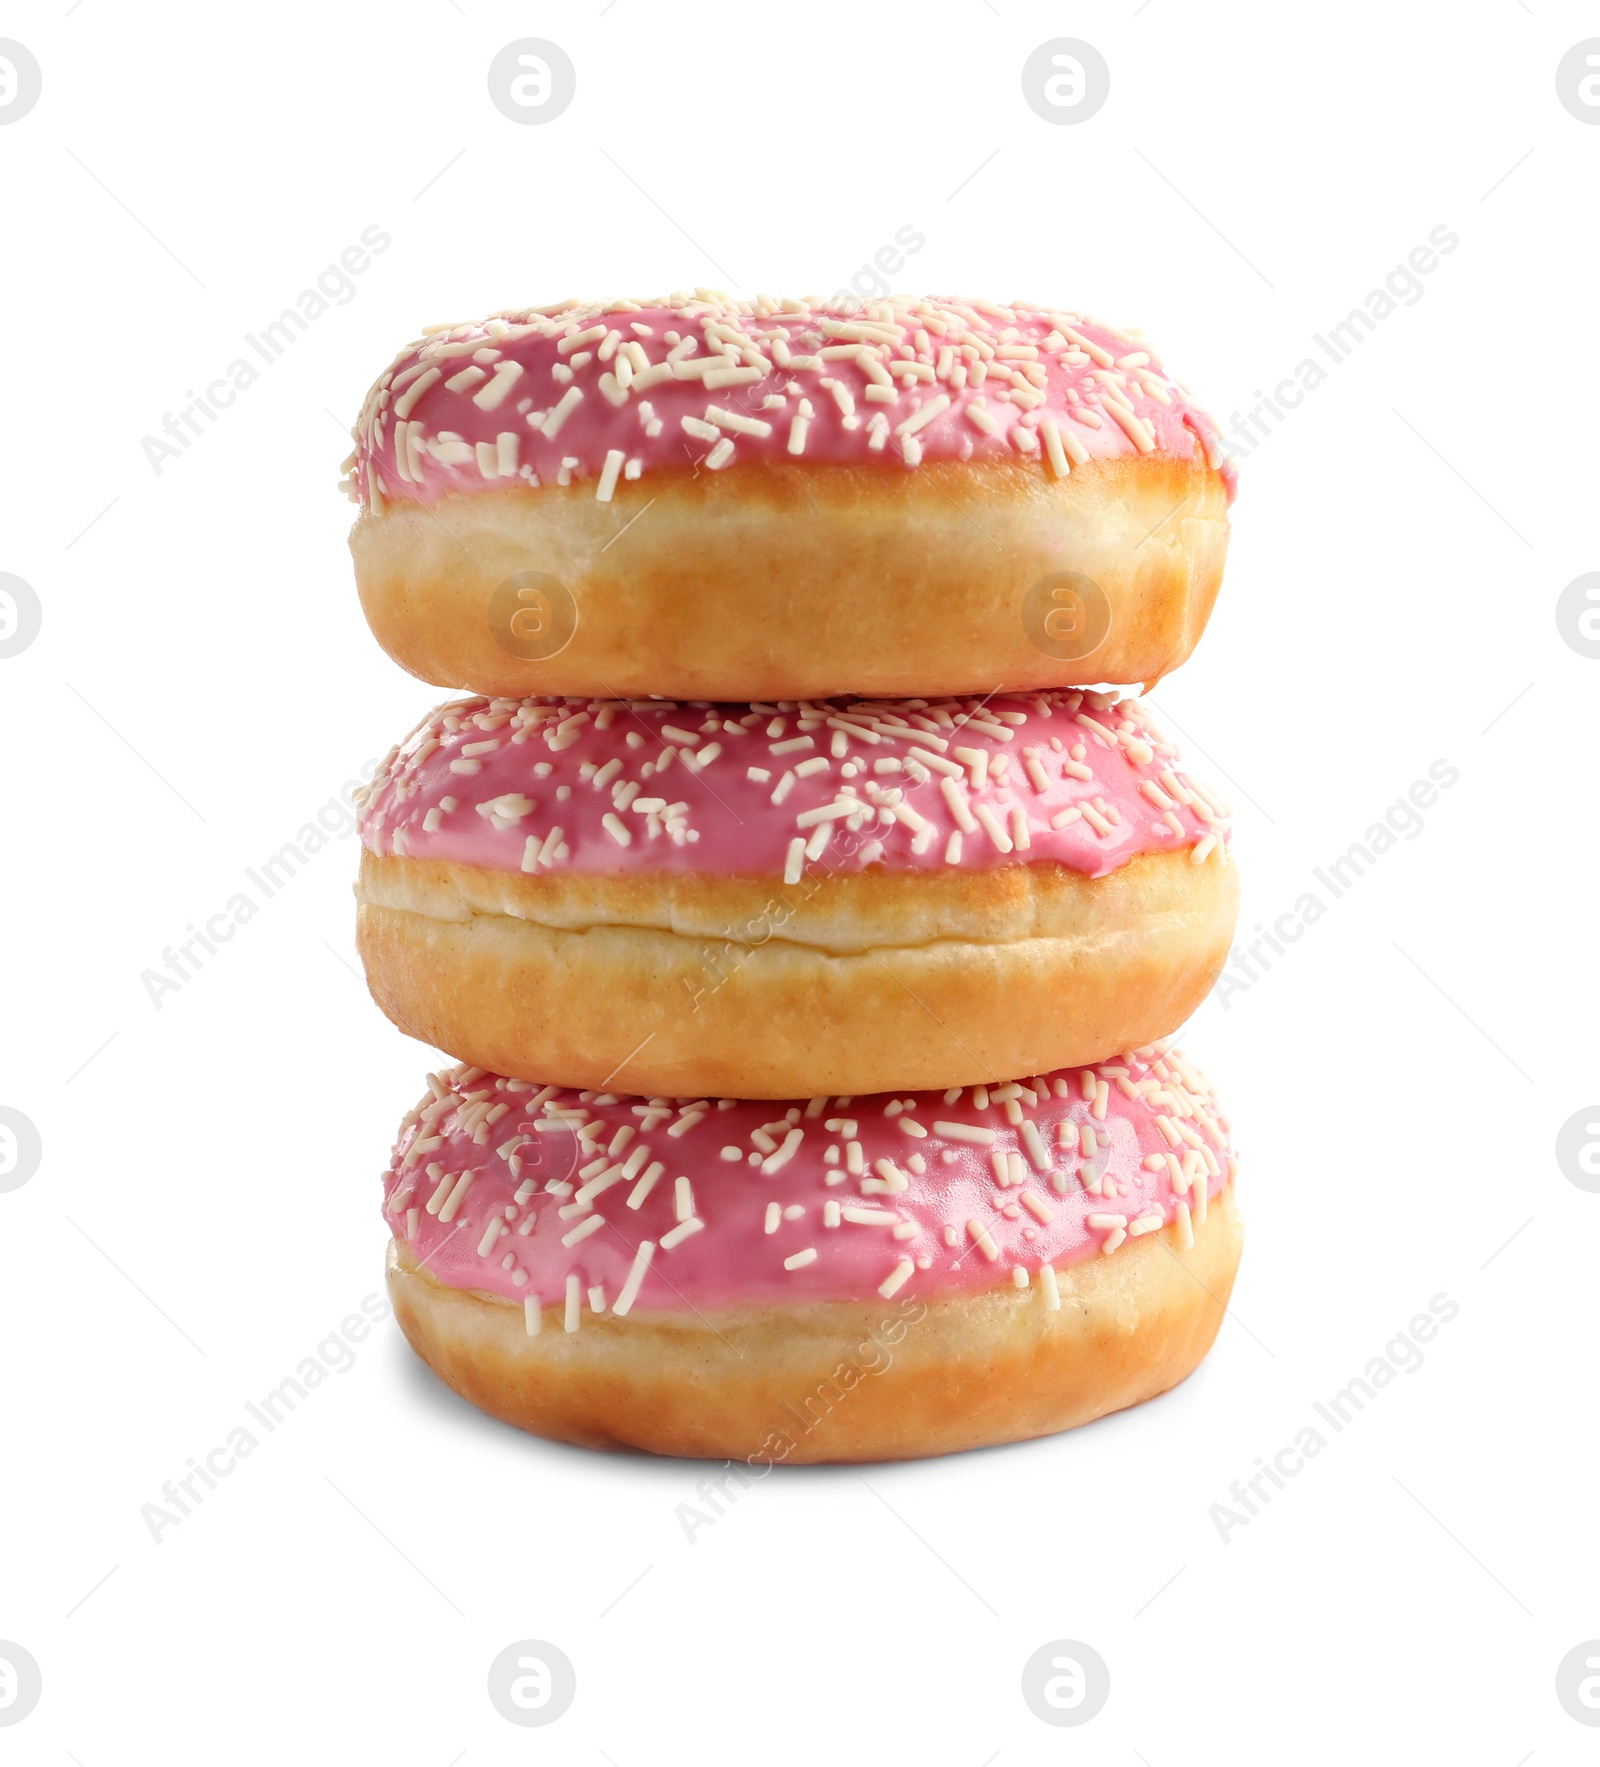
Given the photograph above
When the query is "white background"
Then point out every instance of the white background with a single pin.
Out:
(207, 1206)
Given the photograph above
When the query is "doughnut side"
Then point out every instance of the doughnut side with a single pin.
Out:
(562, 786)
(840, 1381)
(804, 580)
(852, 983)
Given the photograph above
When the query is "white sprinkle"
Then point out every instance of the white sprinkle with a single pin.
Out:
(775, 1162)
(923, 415)
(1049, 1289)
(531, 1315)
(1035, 1147)
(834, 812)
(733, 420)
(977, 761)
(979, 1137)
(890, 1180)
(592, 1224)
(682, 1199)
(568, 403)
(1184, 1223)
(957, 802)
(492, 396)
(896, 1279)
(937, 763)
(1133, 427)
(675, 1236)
(457, 1196)
(647, 1183)
(406, 403)
(635, 1278)
(993, 828)
(982, 1239)
(608, 475)
(1054, 452)
(1076, 452)
(577, 339)
(799, 1260)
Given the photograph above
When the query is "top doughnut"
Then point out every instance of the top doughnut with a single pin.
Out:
(701, 497)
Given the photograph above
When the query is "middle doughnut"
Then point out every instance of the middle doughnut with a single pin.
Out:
(787, 900)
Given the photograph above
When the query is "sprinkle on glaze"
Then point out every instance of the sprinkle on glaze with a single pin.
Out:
(610, 786)
(543, 1194)
(590, 392)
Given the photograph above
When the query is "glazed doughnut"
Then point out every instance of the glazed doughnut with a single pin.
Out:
(835, 1279)
(780, 900)
(721, 499)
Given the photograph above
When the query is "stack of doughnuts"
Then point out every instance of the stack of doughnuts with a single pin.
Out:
(809, 918)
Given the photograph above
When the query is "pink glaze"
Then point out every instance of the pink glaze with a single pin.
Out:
(598, 786)
(601, 390)
(495, 1185)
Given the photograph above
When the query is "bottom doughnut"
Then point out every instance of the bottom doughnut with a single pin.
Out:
(841, 1381)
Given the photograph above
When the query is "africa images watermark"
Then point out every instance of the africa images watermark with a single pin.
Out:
(867, 283)
(1403, 286)
(724, 958)
(1401, 1355)
(335, 820)
(335, 1354)
(873, 1355)
(1403, 820)
(333, 287)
